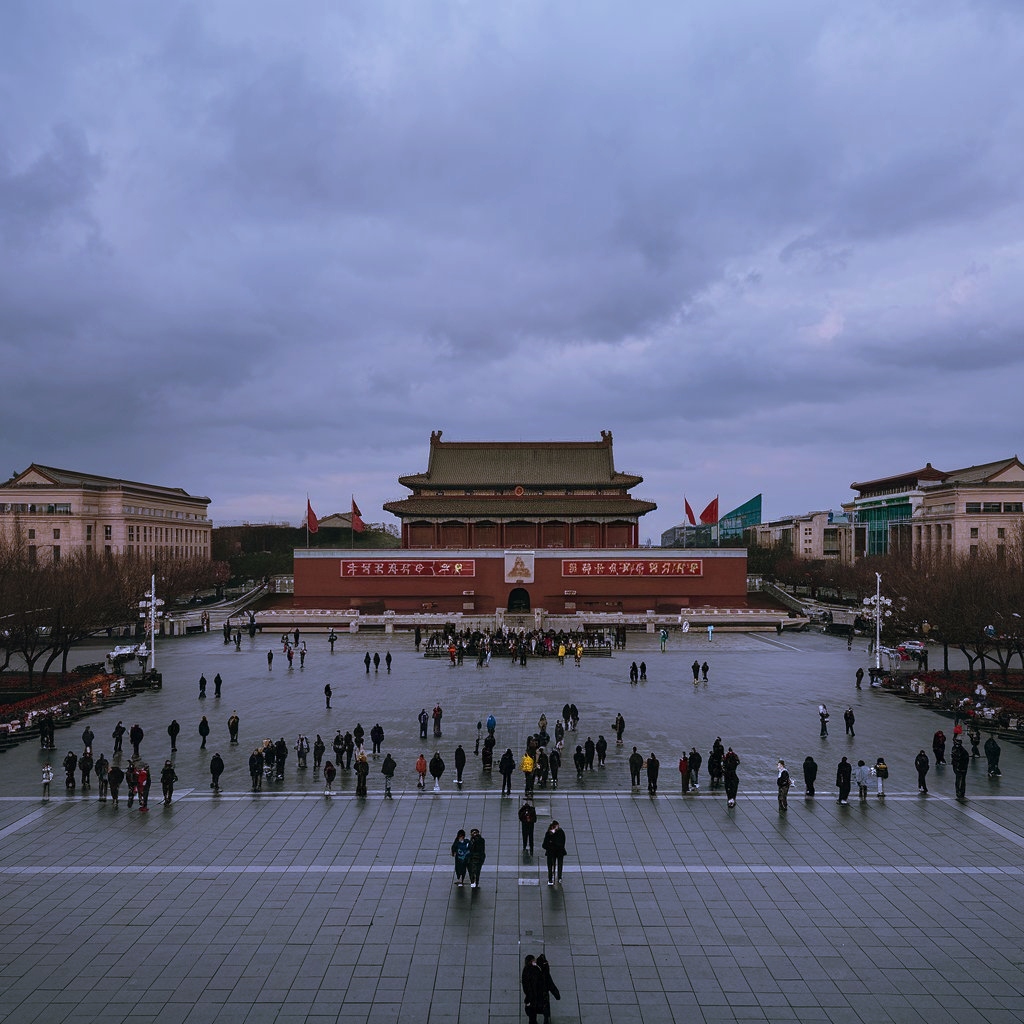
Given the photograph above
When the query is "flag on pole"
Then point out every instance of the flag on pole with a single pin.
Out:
(689, 513)
(311, 521)
(357, 521)
(710, 515)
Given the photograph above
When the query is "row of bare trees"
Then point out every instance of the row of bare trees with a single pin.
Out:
(973, 603)
(47, 607)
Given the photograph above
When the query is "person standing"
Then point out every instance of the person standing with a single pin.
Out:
(270, 660)
(301, 750)
(881, 771)
(362, 771)
(87, 737)
(437, 770)
(823, 717)
(589, 750)
(47, 779)
(961, 761)
(922, 765)
(507, 766)
(216, 770)
(684, 772)
(256, 769)
(704, 671)
(172, 730)
(939, 747)
(810, 774)
(436, 715)
(730, 764)
(636, 763)
(101, 768)
(554, 763)
(695, 667)
(204, 731)
(653, 764)
(135, 737)
(527, 818)
(319, 749)
(376, 738)
(330, 772)
(421, 772)
(115, 776)
(387, 661)
(202, 687)
(860, 677)
(601, 749)
(695, 762)
(366, 662)
(620, 728)
(533, 988)
(862, 776)
(328, 693)
(553, 845)
(118, 735)
(844, 777)
(280, 758)
(167, 781)
(233, 727)
(460, 764)
(460, 851)
(423, 718)
(849, 718)
(387, 768)
(477, 856)
(783, 782)
(217, 683)
(70, 764)
(142, 784)
(85, 766)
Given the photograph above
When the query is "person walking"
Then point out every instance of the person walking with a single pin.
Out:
(992, 752)
(142, 784)
(319, 749)
(636, 763)
(532, 982)
(548, 988)
(421, 771)
(939, 747)
(70, 764)
(653, 764)
(730, 764)
(823, 717)
(387, 768)
(695, 667)
(172, 730)
(704, 671)
(216, 771)
(553, 845)
(860, 677)
(118, 735)
(783, 782)
(460, 764)
(922, 765)
(167, 781)
(695, 762)
(589, 750)
(202, 687)
(270, 660)
(135, 737)
(204, 731)
(437, 770)
(849, 718)
(881, 773)
(101, 768)
(844, 777)
(810, 774)
(47, 779)
(554, 764)
(961, 761)
(477, 856)
(460, 852)
(387, 661)
(330, 773)
(527, 818)
(366, 662)
(601, 749)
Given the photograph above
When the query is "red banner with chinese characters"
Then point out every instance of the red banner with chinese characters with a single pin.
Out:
(633, 567)
(402, 569)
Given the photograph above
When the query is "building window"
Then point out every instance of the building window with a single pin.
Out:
(56, 534)
(108, 533)
(991, 508)
(973, 508)
(56, 552)
(88, 534)
(1013, 507)
(1001, 533)
(31, 534)
(974, 533)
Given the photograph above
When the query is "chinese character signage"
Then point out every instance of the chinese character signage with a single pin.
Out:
(399, 569)
(633, 567)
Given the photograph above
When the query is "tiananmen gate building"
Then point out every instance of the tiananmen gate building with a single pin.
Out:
(520, 526)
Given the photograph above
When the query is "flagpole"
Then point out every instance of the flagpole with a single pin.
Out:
(351, 522)
(307, 519)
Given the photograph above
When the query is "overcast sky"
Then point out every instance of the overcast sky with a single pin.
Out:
(255, 250)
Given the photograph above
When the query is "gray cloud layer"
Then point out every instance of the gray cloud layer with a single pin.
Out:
(255, 250)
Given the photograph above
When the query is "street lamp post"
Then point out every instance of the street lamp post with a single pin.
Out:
(878, 620)
(150, 609)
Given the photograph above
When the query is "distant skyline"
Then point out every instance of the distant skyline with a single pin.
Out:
(258, 251)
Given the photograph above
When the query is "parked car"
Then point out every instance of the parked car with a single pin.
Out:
(911, 646)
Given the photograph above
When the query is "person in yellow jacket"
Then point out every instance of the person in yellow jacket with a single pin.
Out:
(528, 766)
(561, 654)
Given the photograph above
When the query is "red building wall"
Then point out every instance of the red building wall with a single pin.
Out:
(391, 582)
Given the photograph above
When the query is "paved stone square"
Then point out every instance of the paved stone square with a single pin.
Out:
(288, 906)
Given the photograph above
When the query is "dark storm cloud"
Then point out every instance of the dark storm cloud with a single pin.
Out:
(255, 251)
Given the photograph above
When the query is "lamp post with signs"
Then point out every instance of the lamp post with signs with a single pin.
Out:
(879, 607)
(150, 609)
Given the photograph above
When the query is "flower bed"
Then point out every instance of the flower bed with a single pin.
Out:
(64, 703)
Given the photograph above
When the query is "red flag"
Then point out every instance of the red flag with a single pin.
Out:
(689, 513)
(710, 514)
(357, 522)
(311, 521)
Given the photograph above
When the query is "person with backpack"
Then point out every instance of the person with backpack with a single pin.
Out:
(387, 769)
(881, 772)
